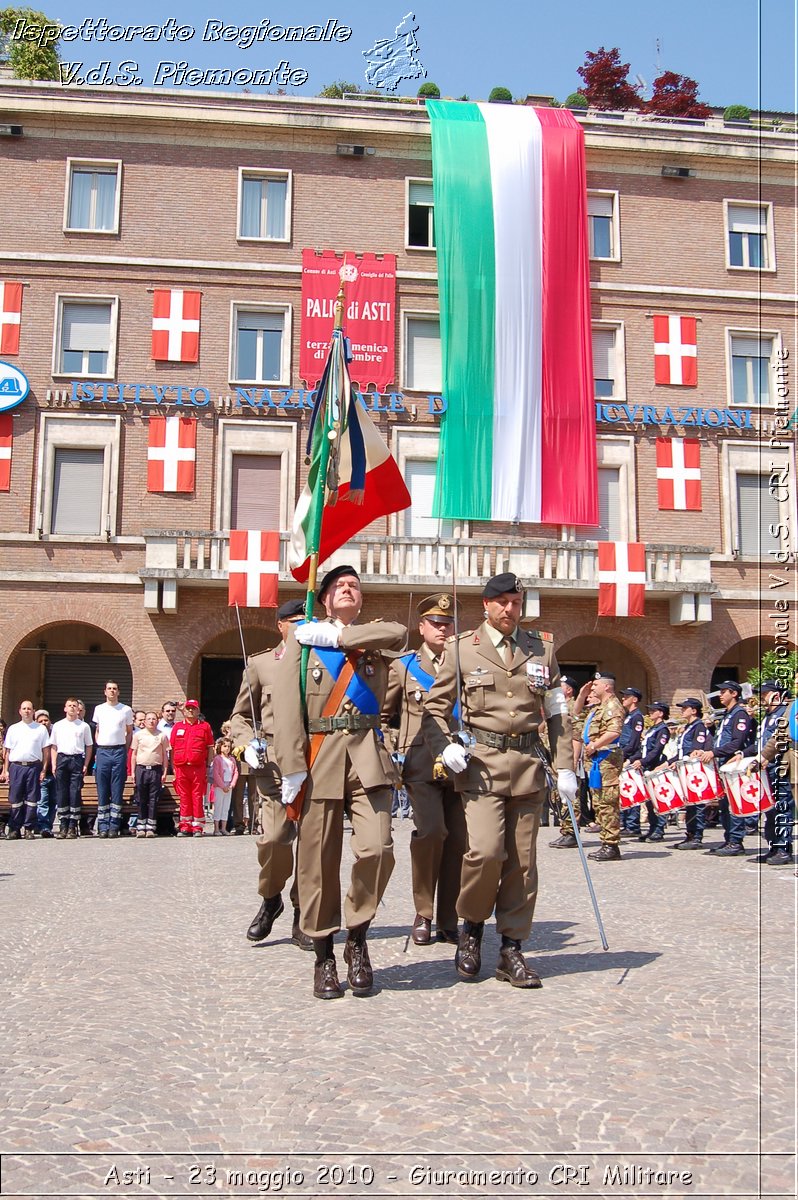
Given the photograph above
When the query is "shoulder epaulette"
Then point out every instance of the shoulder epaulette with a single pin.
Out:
(464, 633)
(542, 634)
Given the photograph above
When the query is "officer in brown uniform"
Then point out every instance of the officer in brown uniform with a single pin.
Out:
(604, 758)
(439, 839)
(351, 771)
(275, 844)
(509, 681)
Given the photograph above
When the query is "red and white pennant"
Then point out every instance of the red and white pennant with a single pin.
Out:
(622, 579)
(171, 454)
(6, 439)
(10, 316)
(679, 474)
(254, 568)
(175, 325)
(675, 351)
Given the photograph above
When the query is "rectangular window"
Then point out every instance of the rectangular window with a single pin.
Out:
(610, 526)
(256, 491)
(264, 205)
(420, 214)
(418, 519)
(92, 200)
(86, 337)
(751, 359)
(260, 346)
(757, 510)
(605, 372)
(422, 358)
(602, 220)
(77, 491)
(749, 235)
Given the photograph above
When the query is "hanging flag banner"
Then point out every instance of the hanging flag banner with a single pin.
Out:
(622, 579)
(171, 454)
(254, 568)
(514, 282)
(679, 474)
(175, 325)
(10, 316)
(675, 351)
(369, 318)
(6, 441)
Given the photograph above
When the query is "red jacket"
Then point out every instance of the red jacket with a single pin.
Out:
(190, 743)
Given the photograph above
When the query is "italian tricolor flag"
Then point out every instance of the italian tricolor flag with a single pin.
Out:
(518, 439)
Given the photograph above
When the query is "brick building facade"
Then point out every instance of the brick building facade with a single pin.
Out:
(108, 195)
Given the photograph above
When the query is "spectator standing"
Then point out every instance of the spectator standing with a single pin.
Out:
(45, 810)
(114, 724)
(23, 767)
(149, 752)
(138, 723)
(223, 778)
(70, 755)
(192, 743)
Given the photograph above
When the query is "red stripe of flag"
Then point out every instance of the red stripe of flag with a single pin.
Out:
(10, 316)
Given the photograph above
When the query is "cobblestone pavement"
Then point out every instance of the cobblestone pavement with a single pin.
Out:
(144, 1033)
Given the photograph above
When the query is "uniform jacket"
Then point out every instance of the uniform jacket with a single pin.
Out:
(405, 698)
(631, 734)
(735, 730)
(694, 737)
(652, 748)
(363, 749)
(785, 737)
(503, 700)
(261, 670)
(190, 743)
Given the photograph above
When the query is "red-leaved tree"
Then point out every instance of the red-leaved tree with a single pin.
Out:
(606, 83)
(676, 96)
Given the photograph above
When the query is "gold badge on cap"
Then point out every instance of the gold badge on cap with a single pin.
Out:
(444, 602)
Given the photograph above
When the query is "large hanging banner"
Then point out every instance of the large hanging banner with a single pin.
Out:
(369, 320)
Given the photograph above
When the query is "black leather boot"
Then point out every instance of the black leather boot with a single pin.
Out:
(267, 914)
(468, 956)
(298, 937)
(325, 973)
(356, 957)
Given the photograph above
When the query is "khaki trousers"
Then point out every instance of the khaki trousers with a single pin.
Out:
(500, 866)
(437, 847)
(275, 844)
(321, 829)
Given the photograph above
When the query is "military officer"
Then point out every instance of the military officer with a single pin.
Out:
(275, 844)
(509, 680)
(567, 839)
(340, 757)
(600, 738)
(438, 842)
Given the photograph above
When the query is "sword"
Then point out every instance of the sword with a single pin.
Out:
(262, 754)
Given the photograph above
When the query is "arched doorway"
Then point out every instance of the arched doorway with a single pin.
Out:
(741, 658)
(215, 676)
(581, 656)
(65, 659)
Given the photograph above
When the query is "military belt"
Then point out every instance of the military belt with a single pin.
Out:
(350, 722)
(505, 741)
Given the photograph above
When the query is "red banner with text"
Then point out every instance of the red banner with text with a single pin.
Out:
(370, 289)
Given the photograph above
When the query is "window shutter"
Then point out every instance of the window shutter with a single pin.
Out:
(746, 219)
(609, 528)
(420, 192)
(87, 326)
(756, 510)
(77, 491)
(423, 355)
(599, 206)
(255, 501)
(604, 354)
(418, 519)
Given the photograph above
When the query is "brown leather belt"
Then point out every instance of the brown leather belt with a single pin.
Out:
(350, 722)
(505, 741)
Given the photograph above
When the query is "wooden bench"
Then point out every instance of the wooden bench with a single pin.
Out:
(168, 805)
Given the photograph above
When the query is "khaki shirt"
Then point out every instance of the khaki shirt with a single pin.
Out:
(505, 700)
(405, 698)
(362, 749)
(261, 671)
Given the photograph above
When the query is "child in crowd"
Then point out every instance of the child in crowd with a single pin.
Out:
(224, 777)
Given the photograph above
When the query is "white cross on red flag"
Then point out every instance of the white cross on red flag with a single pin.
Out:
(254, 568)
(675, 351)
(171, 454)
(10, 316)
(175, 325)
(679, 474)
(6, 438)
(622, 579)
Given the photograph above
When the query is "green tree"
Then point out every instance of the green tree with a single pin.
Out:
(500, 95)
(781, 667)
(430, 90)
(31, 59)
(335, 90)
(737, 112)
(576, 100)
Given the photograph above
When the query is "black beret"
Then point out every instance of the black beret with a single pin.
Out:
(291, 609)
(331, 576)
(500, 584)
(604, 675)
(632, 692)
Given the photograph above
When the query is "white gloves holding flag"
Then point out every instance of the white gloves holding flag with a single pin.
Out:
(454, 757)
(291, 786)
(319, 633)
(566, 784)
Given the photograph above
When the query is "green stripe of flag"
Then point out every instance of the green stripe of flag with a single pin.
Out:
(466, 281)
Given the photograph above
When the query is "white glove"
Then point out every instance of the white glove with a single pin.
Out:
(319, 633)
(454, 757)
(255, 753)
(291, 786)
(566, 784)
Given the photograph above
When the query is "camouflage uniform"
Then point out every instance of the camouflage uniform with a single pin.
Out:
(607, 717)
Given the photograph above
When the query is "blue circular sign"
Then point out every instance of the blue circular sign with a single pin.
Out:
(14, 386)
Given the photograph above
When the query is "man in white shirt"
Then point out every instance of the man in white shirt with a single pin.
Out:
(71, 754)
(114, 725)
(23, 767)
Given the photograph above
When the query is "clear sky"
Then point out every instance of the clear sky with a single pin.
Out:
(739, 51)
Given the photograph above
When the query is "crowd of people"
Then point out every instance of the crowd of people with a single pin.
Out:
(477, 729)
